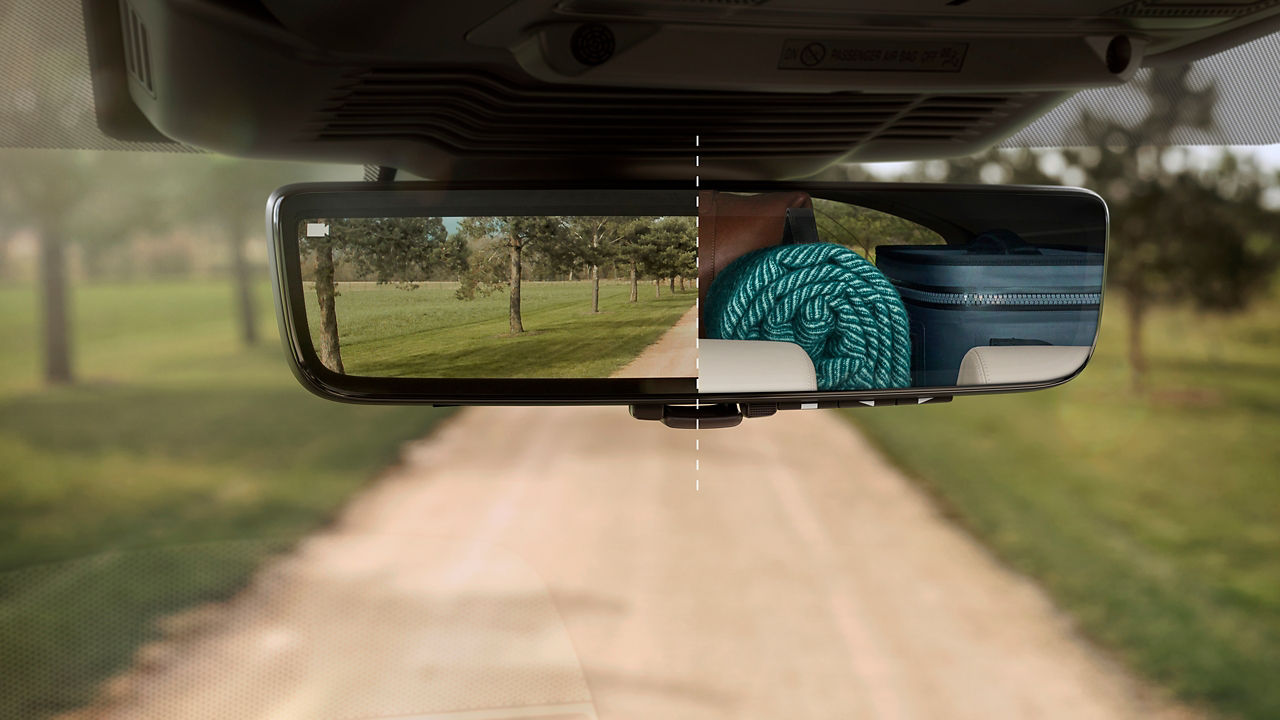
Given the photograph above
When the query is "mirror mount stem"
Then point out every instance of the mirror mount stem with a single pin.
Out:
(691, 417)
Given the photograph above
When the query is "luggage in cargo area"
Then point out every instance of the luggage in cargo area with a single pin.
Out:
(996, 290)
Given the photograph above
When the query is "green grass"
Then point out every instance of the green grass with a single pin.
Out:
(1154, 519)
(388, 332)
(178, 463)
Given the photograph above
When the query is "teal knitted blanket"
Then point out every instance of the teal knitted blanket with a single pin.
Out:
(823, 297)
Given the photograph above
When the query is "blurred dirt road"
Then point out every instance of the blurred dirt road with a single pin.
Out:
(805, 578)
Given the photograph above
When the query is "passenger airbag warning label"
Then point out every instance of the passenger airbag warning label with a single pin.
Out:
(872, 55)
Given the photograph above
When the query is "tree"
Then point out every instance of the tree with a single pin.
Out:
(672, 249)
(516, 234)
(322, 250)
(403, 251)
(38, 188)
(61, 196)
(633, 247)
(1184, 238)
(863, 228)
(35, 192)
(1176, 234)
(97, 198)
(565, 258)
(486, 271)
(593, 239)
(226, 195)
(66, 197)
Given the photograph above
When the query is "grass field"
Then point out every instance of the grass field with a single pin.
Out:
(1155, 520)
(427, 332)
(176, 447)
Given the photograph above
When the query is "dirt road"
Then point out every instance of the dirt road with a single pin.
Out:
(673, 355)
(561, 559)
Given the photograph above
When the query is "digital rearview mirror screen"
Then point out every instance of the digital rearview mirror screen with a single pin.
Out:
(784, 291)
(502, 296)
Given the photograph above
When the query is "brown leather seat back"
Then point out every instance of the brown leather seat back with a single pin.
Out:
(731, 225)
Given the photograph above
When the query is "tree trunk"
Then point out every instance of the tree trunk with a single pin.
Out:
(244, 287)
(595, 270)
(517, 325)
(672, 280)
(681, 278)
(635, 285)
(53, 295)
(326, 290)
(1137, 303)
(595, 289)
(657, 288)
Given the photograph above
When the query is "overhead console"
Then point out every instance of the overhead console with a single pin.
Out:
(538, 88)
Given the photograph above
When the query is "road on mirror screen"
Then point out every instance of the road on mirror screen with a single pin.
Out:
(572, 562)
(670, 356)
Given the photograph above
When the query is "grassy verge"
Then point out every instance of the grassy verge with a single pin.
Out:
(1154, 519)
(427, 332)
(177, 445)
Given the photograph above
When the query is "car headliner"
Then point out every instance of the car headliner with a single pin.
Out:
(49, 100)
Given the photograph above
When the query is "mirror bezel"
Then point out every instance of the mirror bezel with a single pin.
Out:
(290, 204)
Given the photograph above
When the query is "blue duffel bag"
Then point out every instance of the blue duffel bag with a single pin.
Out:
(995, 290)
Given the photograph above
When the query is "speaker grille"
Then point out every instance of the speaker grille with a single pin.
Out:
(473, 113)
(1185, 8)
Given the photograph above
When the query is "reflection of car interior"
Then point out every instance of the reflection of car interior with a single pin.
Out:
(997, 290)
(981, 307)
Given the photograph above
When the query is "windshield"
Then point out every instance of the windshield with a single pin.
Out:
(187, 533)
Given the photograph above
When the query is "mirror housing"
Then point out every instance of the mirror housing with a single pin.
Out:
(974, 226)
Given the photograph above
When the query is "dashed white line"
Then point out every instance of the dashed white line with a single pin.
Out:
(697, 224)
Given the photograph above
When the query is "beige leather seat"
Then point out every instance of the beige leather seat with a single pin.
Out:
(733, 366)
(998, 365)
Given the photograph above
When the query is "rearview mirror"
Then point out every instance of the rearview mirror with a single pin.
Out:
(738, 298)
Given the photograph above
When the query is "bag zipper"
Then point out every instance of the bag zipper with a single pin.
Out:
(981, 299)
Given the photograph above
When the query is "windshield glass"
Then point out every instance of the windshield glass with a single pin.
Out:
(187, 533)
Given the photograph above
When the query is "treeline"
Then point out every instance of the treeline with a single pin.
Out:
(487, 254)
(507, 250)
(863, 229)
(127, 214)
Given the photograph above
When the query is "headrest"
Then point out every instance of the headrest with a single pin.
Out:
(1000, 364)
(731, 225)
(754, 366)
